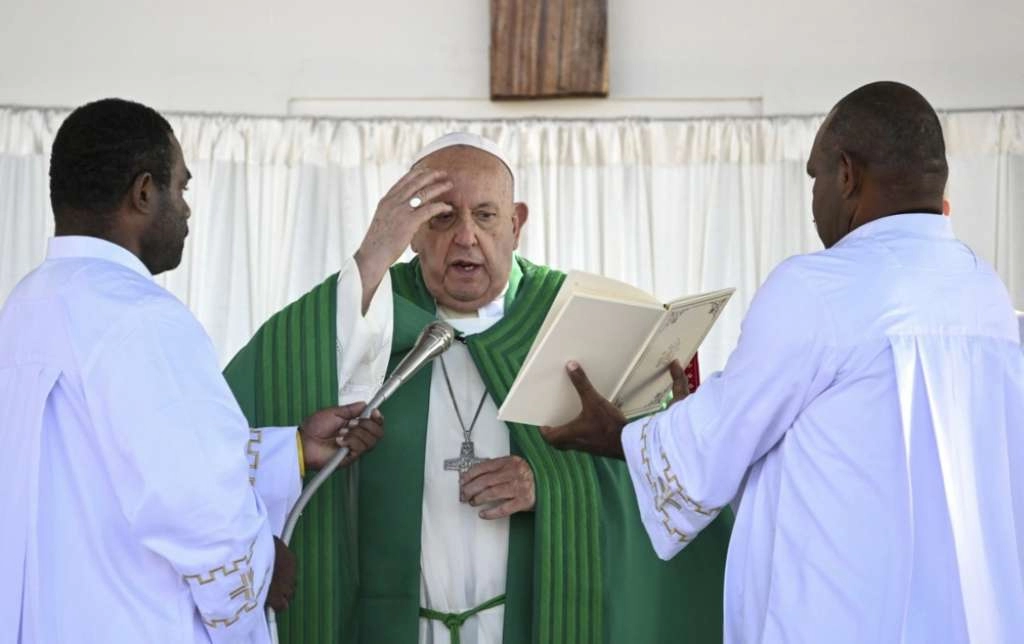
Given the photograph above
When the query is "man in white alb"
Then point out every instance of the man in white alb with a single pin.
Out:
(138, 505)
(871, 416)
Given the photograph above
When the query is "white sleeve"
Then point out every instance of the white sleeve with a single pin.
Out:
(177, 459)
(364, 341)
(274, 470)
(690, 460)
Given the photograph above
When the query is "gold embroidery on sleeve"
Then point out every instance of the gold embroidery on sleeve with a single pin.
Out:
(247, 607)
(245, 588)
(668, 491)
(252, 450)
(223, 571)
(680, 491)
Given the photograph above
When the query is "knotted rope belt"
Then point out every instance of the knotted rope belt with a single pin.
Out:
(454, 621)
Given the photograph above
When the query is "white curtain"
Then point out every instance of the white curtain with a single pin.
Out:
(673, 206)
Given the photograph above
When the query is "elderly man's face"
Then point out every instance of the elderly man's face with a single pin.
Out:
(466, 254)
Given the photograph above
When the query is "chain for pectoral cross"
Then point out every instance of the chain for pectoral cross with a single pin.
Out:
(467, 454)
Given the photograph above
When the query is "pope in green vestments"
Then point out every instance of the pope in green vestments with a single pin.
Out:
(580, 569)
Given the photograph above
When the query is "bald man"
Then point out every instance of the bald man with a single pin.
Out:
(871, 417)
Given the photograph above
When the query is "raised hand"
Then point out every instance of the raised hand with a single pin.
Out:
(598, 428)
(408, 205)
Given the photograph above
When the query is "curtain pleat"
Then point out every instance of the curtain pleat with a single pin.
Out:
(673, 206)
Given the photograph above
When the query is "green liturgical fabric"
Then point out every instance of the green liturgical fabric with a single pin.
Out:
(580, 567)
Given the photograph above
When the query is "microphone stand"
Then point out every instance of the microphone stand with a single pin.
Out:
(434, 340)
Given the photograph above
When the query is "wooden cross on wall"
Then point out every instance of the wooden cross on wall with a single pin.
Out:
(549, 48)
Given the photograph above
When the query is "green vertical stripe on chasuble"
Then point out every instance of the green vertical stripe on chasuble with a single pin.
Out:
(299, 388)
(293, 348)
(568, 572)
(296, 374)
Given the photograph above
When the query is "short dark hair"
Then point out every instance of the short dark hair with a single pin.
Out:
(893, 130)
(99, 150)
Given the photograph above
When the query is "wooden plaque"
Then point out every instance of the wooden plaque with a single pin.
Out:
(549, 48)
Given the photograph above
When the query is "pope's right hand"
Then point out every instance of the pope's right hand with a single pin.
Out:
(409, 204)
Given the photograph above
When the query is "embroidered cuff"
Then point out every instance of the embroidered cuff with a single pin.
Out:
(236, 580)
(670, 515)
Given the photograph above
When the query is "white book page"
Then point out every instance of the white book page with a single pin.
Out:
(603, 335)
(679, 334)
(589, 283)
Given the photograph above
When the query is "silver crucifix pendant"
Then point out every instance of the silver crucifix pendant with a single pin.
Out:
(467, 459)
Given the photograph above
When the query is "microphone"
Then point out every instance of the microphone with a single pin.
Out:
(435, 339)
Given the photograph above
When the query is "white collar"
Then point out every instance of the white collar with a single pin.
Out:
(76, 246)
(916, 224)
(485, 317)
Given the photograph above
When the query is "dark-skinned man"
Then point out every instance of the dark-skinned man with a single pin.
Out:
(138, 504)
(870, 420)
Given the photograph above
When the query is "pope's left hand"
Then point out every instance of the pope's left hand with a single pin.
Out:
(507, 480)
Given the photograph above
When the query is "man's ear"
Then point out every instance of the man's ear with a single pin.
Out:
(519, 216)
(849, 176)
(142, 194)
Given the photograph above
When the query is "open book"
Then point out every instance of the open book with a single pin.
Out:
(622, 337)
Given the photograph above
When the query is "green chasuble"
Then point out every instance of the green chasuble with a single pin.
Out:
(580, 567)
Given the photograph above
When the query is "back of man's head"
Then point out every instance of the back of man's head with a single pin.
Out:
(99, 150)
(895, 134)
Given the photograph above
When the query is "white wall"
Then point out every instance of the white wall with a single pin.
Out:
(417, 57)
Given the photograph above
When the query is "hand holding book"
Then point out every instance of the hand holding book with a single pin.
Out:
(598, 428)
(623, 336)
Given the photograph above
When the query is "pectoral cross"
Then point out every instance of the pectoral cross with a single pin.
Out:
(467, 459)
